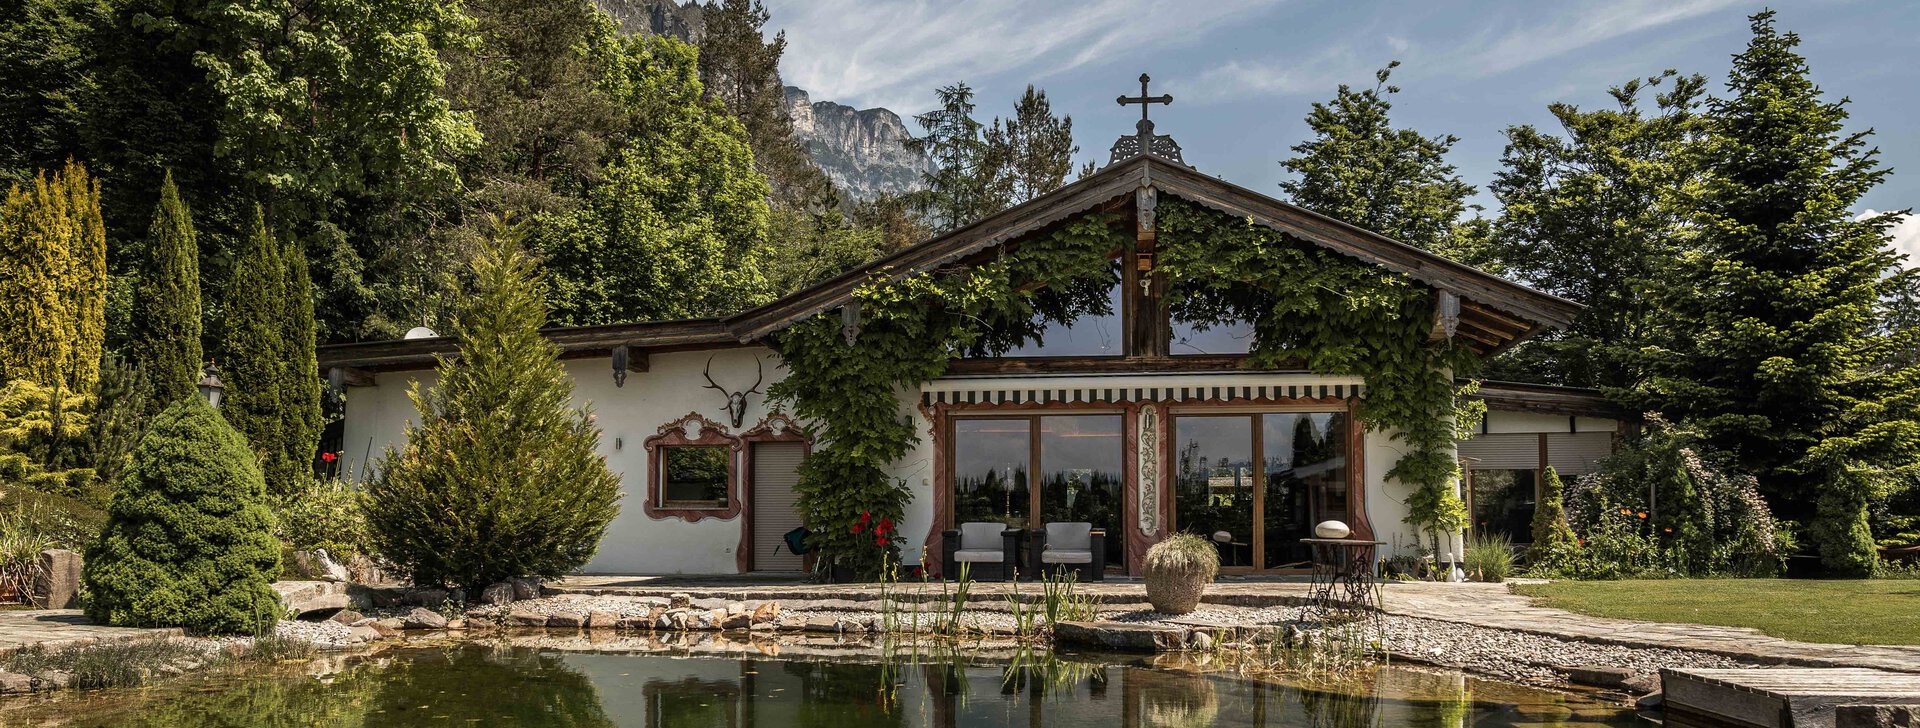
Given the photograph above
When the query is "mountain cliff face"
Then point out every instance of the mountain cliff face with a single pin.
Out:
(656, 17)
(862, 150)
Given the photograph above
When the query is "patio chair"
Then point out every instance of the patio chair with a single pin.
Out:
(1078, 547)
(991, 548)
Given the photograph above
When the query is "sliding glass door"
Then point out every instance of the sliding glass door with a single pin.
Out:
(1256, 515)
(1079, 460)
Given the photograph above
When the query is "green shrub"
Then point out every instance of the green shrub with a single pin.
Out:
(1553, 539)
(500, 478)
(324, 514)
(1489, 556)
(189, 540)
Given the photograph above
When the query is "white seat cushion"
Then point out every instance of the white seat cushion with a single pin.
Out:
(1070, 536)
(980, 556)
(980, 536)
(1056, 556)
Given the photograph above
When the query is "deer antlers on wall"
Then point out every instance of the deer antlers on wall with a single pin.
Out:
(736, 401)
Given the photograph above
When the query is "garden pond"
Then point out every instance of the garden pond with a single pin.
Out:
(508, 683)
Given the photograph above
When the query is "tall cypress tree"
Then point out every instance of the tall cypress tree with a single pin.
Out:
(1776, 350)
(253, 353)
(53, 280)
(166, 322)
(300, 389)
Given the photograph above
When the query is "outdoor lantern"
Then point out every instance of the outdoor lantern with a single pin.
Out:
(210, 387)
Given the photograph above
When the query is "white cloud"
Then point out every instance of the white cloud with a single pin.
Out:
(894, 54)
(1906, 236)
(1589, 24)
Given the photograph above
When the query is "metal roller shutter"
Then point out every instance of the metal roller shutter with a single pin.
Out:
(776, 469)
(1577, 453)
(1517, 451)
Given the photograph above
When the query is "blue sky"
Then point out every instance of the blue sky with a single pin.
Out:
(1243, 72)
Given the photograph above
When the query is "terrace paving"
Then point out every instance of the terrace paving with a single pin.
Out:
(1483, 605)
(65, 627)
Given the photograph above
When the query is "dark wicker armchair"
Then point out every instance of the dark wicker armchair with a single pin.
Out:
(1078, 547)
(991, 549)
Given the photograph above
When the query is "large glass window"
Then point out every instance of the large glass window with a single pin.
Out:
(990, 461)
(1232, 337)
(1081, 460)
(1092, 333)
(1306, 480)
(1502, 502)
(1214, 483)
(695, 476)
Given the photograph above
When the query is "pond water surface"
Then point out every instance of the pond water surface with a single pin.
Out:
(468, 684)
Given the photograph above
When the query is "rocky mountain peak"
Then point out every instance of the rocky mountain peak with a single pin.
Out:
(862, 150)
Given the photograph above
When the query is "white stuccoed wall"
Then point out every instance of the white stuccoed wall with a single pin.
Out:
(635, 544)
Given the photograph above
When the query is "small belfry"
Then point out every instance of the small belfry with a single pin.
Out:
(1144, 141)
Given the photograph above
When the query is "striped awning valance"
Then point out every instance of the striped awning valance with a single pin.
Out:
(1137, 388)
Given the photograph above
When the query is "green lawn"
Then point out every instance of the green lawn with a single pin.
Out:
(1879, 611)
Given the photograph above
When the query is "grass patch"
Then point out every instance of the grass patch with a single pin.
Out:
(113, 665)
(1865, 611)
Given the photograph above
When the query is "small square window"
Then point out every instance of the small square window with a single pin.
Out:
(694, 476)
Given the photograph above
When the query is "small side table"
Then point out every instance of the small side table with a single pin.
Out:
(1343, 575)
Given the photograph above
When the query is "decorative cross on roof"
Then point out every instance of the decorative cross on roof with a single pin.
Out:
(1144, 141)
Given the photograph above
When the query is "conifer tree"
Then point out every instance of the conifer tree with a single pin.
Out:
(189, 540)
(165, 336)
(253, 353)
(1775, 350)
(53, 280)
(1552, 537)
(740, 68)
(300, 389)
(501, 477)
(1360, 169)
(1032, 152)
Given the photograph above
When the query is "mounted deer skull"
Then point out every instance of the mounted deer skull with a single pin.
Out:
(736, 401)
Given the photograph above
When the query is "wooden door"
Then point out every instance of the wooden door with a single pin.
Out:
(776, 469)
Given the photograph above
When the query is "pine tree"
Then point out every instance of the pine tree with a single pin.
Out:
(189, 539)
(1032, 152)
(740, 68)
(961, 187)
(501, 477)
(1552, 537)
(1596, 216)
(1775, 350)
(253, 361)
(1360, 169)
(53, 280)
(165, 330)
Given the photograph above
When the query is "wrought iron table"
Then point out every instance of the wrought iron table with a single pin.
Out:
(1343, 577)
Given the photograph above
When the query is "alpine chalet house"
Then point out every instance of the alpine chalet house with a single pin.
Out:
(1138, 416)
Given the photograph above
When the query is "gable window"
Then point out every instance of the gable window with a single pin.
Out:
(1192, 337)
(694, 476)
(1098, 332)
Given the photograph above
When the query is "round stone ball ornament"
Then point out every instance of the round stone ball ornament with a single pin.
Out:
(1332, 529)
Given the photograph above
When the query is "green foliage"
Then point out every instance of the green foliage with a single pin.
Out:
(910, 329)
(268, 366)
(53, 279)
(43, 440)
(165, 326)
(1659, 507)
(677, 228)
(189, 540)
(119, 416)
(981, 169)
(814, 248)
(740, 68)
(65, 522)
(1489, 557)
(1184, 553)
(1775, 350)
(1598, 215)
(1553, 539)
(1338, 316)
(324, 514)
(1032, 152)
(500, 478)
(1361, 170)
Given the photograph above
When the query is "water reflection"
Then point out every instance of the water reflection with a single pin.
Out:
(474, 684)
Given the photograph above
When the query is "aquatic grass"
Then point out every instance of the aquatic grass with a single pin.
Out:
(1489, 556)
(956, 602)
(113, 665)
(1023, 614)
(1064, 603)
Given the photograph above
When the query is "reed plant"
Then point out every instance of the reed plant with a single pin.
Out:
(1489, 556)
(1064, 602)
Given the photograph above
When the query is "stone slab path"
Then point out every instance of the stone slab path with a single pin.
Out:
(65, 627)
(1484, 605)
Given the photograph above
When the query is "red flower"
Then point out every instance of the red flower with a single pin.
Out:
(866, 517)
(880, 541)
(858, 527)
(328, 457)
(886, 526)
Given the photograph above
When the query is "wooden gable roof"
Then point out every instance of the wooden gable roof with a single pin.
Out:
(1494, 314)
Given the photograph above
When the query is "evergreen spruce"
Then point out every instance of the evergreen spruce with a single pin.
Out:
(53, 280)
(300, 388)
(500, 478)
(253, 354)
(1552, 537)
(165, 336)
(189, 540)
(1775, 349)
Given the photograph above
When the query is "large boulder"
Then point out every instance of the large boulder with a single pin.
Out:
(57, 586)
(497, 593)
(298, 598)
(422, 618)
(1120, 636)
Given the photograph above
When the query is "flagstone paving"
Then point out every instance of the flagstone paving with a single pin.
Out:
(65, 627)
(1483, 605)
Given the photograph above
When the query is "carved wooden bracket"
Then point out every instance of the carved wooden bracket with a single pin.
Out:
(850, 321)
(1446, 315)
(626, 359)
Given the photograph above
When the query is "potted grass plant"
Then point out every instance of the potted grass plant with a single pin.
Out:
(1178, 570)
